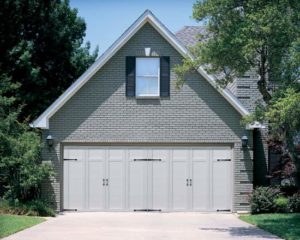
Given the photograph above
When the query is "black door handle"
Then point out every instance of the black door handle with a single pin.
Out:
(103, 182)
(106, 181)
(190, 182)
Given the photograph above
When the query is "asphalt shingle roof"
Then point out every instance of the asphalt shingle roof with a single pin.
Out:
(189, 35)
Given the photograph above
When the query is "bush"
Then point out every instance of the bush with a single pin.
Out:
(262, 199)
(294, 203)
(22, 171)
(33, 208)
(281, 204)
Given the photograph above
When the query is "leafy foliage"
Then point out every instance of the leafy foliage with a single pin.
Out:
(294, 203)
(21, 171)
(283, 115)
(242, 35)
(41, 49)
(281, 204)
(262, 199)
(31, 208)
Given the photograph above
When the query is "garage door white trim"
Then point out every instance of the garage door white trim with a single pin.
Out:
(147, 178)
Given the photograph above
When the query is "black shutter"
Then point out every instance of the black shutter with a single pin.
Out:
(130, 76)
(164, 76)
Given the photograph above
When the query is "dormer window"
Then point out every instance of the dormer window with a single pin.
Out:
(147, 77)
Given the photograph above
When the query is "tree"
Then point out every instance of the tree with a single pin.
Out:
(41, 49)
(254, 34)
(21, 171)
(283, 115)
(242, 35)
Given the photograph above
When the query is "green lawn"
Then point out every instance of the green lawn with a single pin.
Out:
(13, 223)
(286, 226)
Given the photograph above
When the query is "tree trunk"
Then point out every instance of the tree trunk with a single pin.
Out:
(262, 83)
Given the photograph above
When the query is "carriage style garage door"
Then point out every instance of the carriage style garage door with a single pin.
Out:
(147, 178)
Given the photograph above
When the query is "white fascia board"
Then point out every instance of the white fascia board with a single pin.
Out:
(255, 125)
(43, 120)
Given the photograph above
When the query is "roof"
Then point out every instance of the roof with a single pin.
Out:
(147, 17)
(190, 35)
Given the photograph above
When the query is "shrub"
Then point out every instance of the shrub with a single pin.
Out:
(32, 208)
(21, 168)
(281, 204)
(262, 199)
(294, 203)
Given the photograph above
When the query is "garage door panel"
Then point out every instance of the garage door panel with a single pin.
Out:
(116, 154)
(160, 185)
(137, 185)
(95, 185)
(200, 154)
(116, 185)
(137, 154)
(74, 179)
(96, 154)
(180, 154)
(179, 188)
(160, 179)
(221, 186)
(221, 179)
(200, 185)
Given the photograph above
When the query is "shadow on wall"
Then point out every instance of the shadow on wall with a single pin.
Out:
(260, 163)
(51, 186)
(251, 232)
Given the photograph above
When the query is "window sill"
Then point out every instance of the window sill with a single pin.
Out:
(147, 97)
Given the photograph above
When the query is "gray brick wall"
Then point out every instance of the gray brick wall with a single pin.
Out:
(245, 88)
(100, 113)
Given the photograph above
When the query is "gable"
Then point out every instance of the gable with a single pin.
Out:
(101, 112)
(146, 18)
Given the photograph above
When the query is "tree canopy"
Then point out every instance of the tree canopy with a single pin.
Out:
(263, 35)
(41, 49)
(242, 35)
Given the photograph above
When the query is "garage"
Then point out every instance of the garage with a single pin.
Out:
(147, 178)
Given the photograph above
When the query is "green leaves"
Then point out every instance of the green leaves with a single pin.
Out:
(21, 171)
(40, 48)
(242, 35)
(284, 114)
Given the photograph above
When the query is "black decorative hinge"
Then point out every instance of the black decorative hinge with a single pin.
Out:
(147, 210)
(70, 210)
(70, 159)
(147, 159)
(224, 160)
(223, 210)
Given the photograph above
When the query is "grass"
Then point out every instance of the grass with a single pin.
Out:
(13, 223)
(286, 226)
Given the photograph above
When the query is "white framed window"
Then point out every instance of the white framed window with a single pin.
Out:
(147, 77)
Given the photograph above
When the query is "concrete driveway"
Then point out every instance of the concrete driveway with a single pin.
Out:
(142, 226)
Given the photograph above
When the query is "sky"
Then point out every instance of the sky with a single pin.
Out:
(106, 20)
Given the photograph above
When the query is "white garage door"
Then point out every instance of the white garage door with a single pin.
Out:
(148, 179)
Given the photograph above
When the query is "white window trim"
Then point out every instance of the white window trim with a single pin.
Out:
(148, 76)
